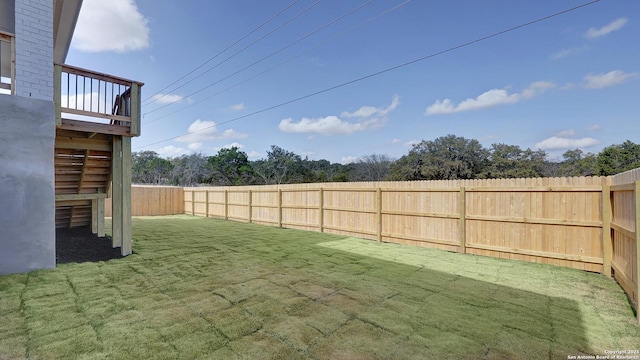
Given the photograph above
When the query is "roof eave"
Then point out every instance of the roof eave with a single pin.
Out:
(65, 17)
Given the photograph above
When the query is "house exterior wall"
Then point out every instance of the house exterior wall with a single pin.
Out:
(27, 136)
(27, 214)
(34, 48)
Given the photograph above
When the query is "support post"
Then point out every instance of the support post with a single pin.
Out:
(607, 246)
(101, 217)
(94, 216)
(116, 190)
(321, 210)
(127, 232)
(121, 202)
(249, 206)
(636, 195)
(135, 109)
(379, 214)
(462, 202)
(279, 208)
(226, 204)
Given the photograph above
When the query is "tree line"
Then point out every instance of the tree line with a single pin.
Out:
(445, 158)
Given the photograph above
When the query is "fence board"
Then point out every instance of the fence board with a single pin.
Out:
(153, 201)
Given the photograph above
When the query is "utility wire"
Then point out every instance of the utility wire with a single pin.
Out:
(496, 34)
(242, 50)
(222, 52)
(284, 62)
(270, 55)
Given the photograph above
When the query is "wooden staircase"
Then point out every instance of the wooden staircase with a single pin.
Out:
(82, 167)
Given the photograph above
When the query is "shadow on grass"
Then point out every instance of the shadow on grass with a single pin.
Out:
(79, 245)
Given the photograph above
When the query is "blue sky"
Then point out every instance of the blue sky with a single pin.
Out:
(572, 81)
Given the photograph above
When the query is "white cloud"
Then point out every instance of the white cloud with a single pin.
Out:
(410, 143)
(171, 151)
(194, 146)
(567, 52)
(348, 160)
(330, 125)
(559, 142)
(594, 127)
(166, 98)
(237, 107)
(232, 145)
(566, 133)
(611, 78)
(494, 97)
(203, 130)
(255, 154)
(115, 25)
(396, 141)
(617, 24)
(368, 111)
(369, 118)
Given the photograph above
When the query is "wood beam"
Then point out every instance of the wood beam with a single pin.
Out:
(89, 127)
(65, 197)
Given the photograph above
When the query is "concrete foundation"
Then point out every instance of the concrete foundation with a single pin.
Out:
(27, 187)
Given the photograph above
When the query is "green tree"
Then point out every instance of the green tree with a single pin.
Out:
(615, 159)
(147, 167)
(510, 161)
(280, 167)
(230, 167)
(374, 167)
(577, 163)
(445, 158)
(190, 170)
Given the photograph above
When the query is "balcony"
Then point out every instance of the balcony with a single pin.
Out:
(95, 103)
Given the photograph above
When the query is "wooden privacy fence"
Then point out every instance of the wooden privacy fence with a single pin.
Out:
(153, 201)
(621, 201)
(587, 223)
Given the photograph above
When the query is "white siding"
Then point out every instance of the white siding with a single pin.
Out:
(34, 48)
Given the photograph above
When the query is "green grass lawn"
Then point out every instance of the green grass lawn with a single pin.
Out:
(211, 289)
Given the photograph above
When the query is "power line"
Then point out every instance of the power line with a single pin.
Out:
(496, 34)
(396, 7)
(270, 55)
(243, 49)
(223, 51)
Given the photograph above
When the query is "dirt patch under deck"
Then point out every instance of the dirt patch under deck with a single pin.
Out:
(80, 245)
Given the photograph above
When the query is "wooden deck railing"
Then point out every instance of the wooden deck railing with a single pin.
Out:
(89, 101)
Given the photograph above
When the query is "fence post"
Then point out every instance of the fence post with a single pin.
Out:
(206, 203)
(321, 210)
(193, 202)
(226, 204)
(379, 214)
(607, 248)
(462, 202)
(249, 205)
(636, 195)
(279, 208)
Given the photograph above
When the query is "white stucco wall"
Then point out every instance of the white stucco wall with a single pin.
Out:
(27, 194)
(34, 48)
